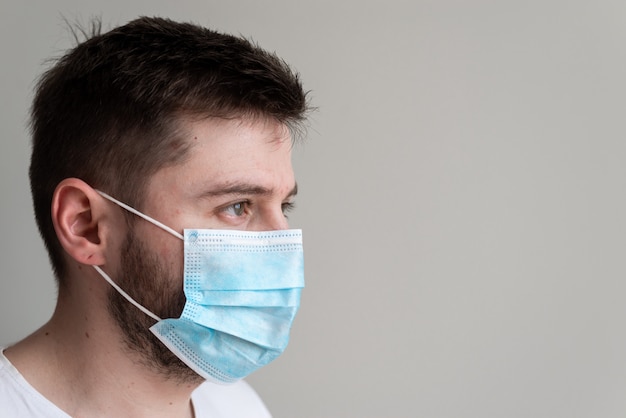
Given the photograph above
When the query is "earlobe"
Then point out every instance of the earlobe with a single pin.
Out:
(77, 219)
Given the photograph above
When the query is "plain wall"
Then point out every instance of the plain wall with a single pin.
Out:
(462, 199)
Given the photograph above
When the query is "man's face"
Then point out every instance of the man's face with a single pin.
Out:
(237, 175)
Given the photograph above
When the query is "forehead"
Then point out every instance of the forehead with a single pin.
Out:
(254, 151)
(242, 138)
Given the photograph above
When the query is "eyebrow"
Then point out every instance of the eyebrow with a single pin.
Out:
(244, 189)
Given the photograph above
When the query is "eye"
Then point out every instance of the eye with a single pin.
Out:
(236, 209)
(287, 207)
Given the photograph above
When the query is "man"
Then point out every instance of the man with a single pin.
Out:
(161, 175)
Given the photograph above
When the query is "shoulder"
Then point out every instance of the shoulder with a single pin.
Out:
(236, 400)
(18, 398)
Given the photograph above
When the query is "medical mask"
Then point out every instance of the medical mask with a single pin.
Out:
(243, 291)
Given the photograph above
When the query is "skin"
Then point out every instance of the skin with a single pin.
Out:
(238, 175)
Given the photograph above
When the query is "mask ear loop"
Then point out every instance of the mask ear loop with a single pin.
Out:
(152, 221)
(141, 215)
(126, 295)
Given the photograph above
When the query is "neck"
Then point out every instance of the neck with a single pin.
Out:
(79, 361)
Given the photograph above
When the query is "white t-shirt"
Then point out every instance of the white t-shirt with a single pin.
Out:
(19, 399)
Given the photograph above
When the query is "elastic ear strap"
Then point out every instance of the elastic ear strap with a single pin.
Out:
(126, 295)
(141, 215)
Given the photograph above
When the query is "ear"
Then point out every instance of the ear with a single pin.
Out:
(79, 215)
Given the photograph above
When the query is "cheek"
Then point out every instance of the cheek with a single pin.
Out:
(166, 250)
(171, 257)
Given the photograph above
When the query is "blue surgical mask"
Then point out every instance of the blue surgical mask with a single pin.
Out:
(243, 292)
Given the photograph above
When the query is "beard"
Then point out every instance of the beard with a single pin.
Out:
(150, 283)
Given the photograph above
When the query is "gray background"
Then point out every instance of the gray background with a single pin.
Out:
(462, 197)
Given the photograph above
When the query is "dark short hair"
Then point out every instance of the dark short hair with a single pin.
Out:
(109, 111)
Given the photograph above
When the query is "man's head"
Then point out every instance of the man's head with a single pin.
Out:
(114, 110)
